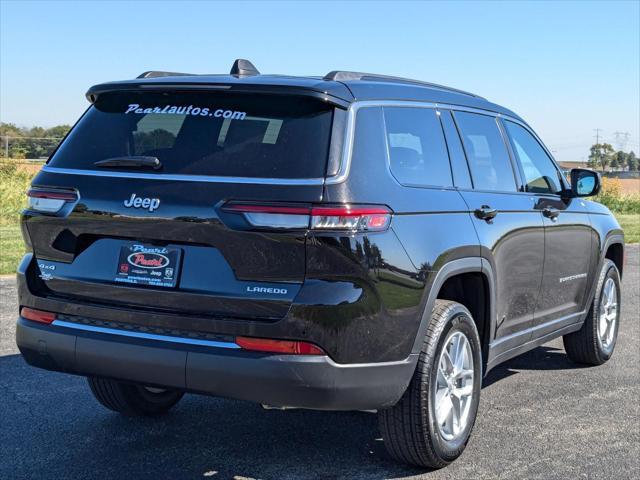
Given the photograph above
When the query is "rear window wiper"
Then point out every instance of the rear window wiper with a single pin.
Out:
(139, 161)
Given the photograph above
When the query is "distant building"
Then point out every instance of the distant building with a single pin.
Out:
(573, 164)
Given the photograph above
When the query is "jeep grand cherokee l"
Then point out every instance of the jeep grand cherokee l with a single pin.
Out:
(350, 242)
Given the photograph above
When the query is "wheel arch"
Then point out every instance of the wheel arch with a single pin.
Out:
(615, 252)
(469, 281)
(612, 249)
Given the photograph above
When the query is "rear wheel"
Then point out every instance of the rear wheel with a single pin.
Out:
(594, 343)
(431, 424)
(133, 400)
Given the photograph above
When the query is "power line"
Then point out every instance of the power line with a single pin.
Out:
(621, 139)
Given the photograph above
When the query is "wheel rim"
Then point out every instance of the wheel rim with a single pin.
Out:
(454, 386)
(608, 314)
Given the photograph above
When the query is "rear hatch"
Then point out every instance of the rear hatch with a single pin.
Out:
(149, 234)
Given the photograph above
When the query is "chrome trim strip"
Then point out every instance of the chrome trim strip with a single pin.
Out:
(146, 336)
(347, 151)
(535, 328)
(186, 178)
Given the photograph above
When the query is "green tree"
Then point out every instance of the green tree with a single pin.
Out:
(600, 155)
(58, 131)
(632, 161)
(619, 160)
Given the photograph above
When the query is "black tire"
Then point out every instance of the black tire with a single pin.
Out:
(409, 428)
(585, 345)
(133, 400)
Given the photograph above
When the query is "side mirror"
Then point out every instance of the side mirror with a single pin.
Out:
(584, 183)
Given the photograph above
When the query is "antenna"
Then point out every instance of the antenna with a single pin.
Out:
(243, 68)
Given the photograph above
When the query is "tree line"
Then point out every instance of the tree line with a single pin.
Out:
(602, 156)
(33, 142)
(39, 142)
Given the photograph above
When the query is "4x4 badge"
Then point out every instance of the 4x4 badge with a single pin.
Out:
(138, 202)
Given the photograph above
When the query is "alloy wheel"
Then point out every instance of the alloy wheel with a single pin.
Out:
(454, 386)
(608, 314)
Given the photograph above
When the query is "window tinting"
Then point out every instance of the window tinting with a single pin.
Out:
(541, 175)
(459, 167)
(219, 134)
(417, 150)
(486, 152)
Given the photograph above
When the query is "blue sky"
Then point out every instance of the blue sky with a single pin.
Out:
(566, 67)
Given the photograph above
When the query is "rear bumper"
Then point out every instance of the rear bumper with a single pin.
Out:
(314, 382)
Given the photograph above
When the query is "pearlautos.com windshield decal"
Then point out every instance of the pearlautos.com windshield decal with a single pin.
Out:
(184, 110)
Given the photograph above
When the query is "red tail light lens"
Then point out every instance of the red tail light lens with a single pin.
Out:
(37, 315)
(278, 346)
(49, 201)
(353, 218)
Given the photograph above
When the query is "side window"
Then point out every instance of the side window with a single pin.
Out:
(540, 174)
(417, 150)
(487, 154)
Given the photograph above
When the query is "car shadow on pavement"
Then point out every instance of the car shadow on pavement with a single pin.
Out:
(202, 437)
(55, 429)
(540, 358)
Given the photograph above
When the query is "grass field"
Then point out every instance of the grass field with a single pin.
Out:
(11, 248)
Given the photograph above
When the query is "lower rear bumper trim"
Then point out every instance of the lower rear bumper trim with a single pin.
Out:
(146, 336)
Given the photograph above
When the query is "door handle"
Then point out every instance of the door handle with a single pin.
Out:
(551, 213)
(485, 212)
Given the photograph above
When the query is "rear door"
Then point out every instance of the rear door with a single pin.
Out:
(567, 233)
(509, 227)
(158, 239)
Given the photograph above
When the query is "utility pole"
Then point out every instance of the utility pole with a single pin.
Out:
(597, 135)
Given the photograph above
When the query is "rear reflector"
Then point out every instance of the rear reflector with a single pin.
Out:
(278, 346)
(49, 201)
(353, 218)
(37, 315)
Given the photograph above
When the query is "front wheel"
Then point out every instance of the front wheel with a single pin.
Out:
(133, 400)
(594, 343)
(431, 424)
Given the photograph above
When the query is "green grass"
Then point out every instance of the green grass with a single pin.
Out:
(11, 248)
(630, 223)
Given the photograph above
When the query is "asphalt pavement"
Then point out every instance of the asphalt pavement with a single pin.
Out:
(540, 417)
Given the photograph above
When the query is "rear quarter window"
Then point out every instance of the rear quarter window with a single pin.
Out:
(216, 134)
(417, 149)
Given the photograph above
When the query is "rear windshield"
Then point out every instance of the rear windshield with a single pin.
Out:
(219, 134)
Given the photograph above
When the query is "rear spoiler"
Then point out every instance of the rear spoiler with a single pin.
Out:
(183, 84)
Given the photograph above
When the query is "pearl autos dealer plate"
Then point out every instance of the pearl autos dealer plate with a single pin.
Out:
(148, 265)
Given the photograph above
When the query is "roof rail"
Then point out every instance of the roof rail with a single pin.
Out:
(159, 73)
(343, 76)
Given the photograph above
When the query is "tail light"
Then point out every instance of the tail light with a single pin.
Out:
(352, 218)
(278, 346)
(37, 315)
(49, 200)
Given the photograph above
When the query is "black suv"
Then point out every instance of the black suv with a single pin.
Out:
(350, 242)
